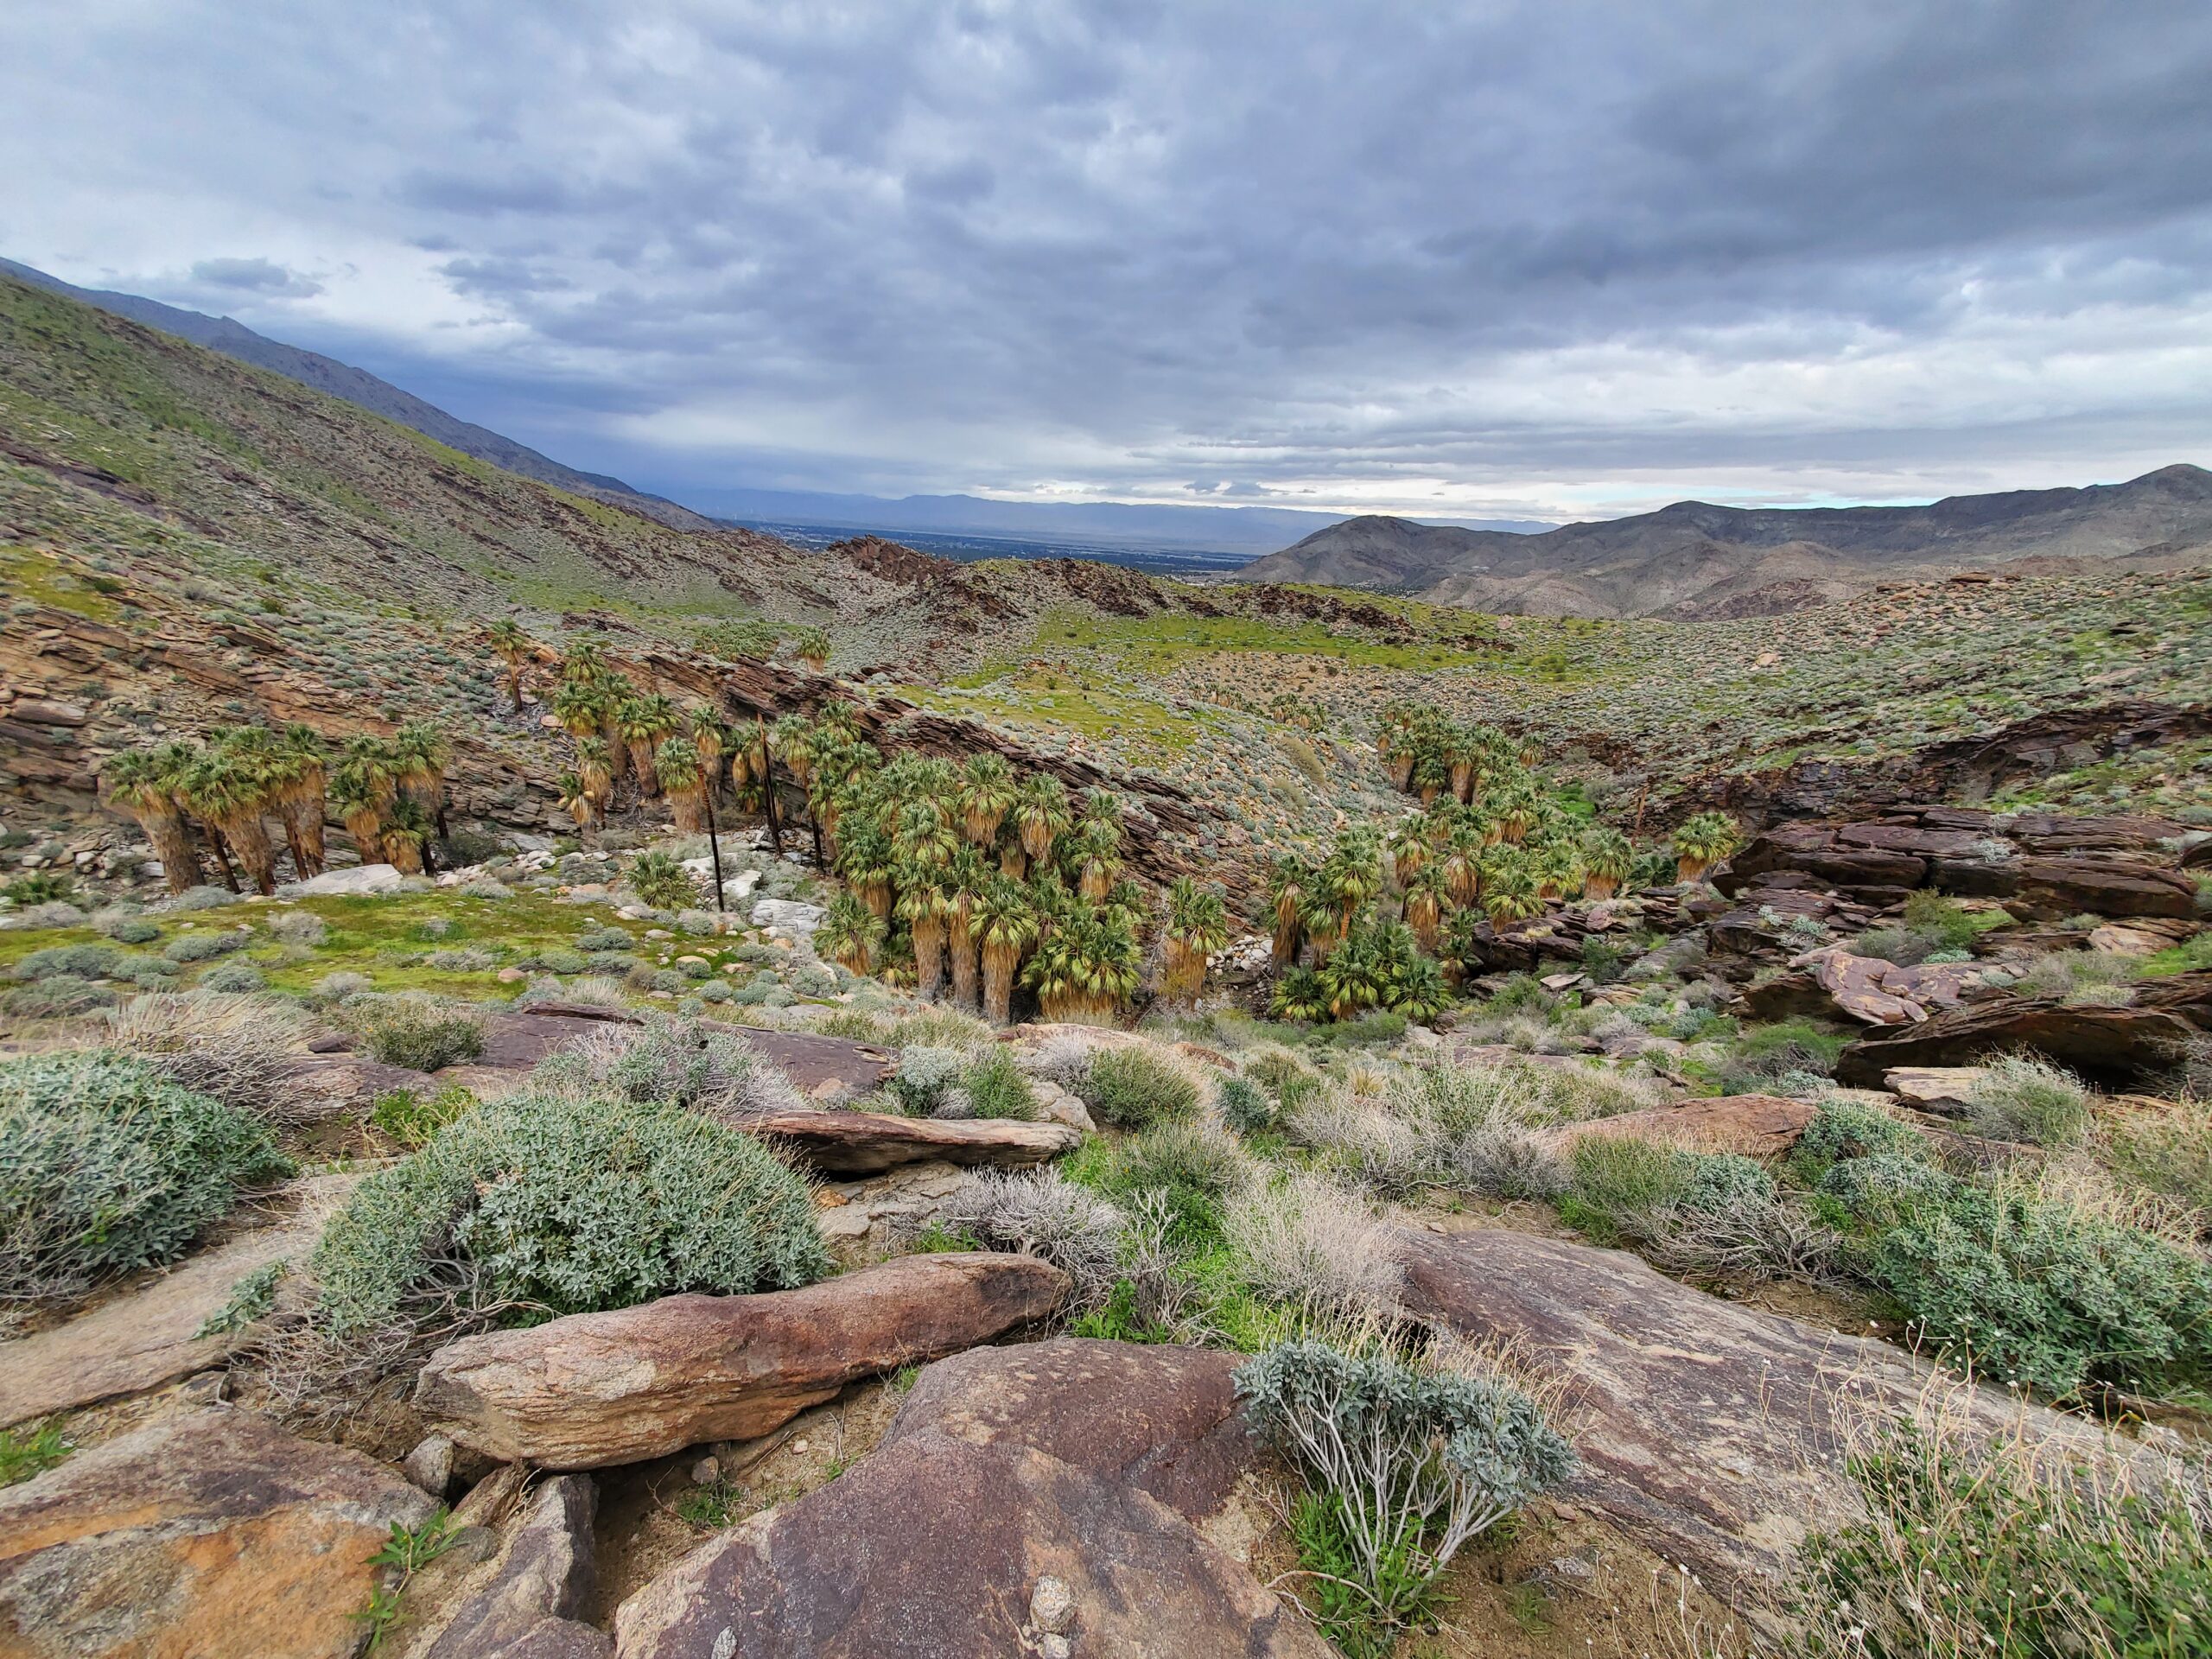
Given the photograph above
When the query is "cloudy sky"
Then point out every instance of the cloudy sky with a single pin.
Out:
(1552, 259)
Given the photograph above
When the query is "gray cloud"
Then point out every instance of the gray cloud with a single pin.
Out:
(1520, 257)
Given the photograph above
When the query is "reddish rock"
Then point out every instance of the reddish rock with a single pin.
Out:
(2124, 1047)
(2052, 889)
(594, 1389)
(1756, 1126)
(211, 1535)
(527, 1602)
(866, 1143)
(1057, 1487)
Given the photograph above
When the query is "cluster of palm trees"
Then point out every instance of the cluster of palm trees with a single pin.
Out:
(975, 879)
(675, 751)
(223, 790)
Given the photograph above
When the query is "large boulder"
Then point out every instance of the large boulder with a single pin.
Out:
(360, 879)
(2121, 1047)
(868, 1143)
(1056, 1497)
(1708, 1430)
(1752, 1126)
(594, 1389)
(214, 1534)
(2052, 889)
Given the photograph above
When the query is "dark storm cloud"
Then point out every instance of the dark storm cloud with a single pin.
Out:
(1532, 253)
(254, 277)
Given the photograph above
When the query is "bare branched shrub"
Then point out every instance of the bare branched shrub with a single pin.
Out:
(1309, 1245)
(234, 1048)
(675, 1060)
(1467, 1127)
(1039, 1213)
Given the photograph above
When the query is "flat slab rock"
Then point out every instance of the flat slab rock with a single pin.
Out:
(1705, 1428)
(1060, 1489)
(2122, 1046)
(595, 1390)
(1755, 1126)
(211, 1535)
(866, 1143)
(144, 1337)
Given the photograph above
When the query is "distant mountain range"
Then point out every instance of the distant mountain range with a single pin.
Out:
(1695, 560)
(359, 387)
(1227, 528)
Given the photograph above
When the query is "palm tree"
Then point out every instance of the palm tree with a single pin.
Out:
(851, 934)
(683, 778)
(305, 801)
(644, 722)
(1509, 893)
(922, 908)
(1041, 812)
(814, 648)
(1517, 806)
(1299, 995)
(712, 736)
(421, 751)
(1557, 864)
(362, 787)
(1462, 868)
(866, 862)
(586, 663)
(1085, 968)
(229, 787)
(794, 740)
(576, 801)
(1095, 850)
(142, 784)
(967, 878)
(1607, 858)
(1197, 925)
(986, 794)
(513, 648)
(1702, 842)
(1290, 887)
(1427, 896)
(1408, 848)
(406, 835)
(1005, 926)
(593, 773)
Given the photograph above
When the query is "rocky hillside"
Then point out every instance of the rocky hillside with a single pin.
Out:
(357, 387)
(1694, 560)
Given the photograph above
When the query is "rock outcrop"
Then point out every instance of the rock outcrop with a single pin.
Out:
(594, 1389)
(211, 1535)
(527, 1603)
(2126, 1047)
(1708, 1430)
(866, 1143)
(1048, 1499)
(1753, 1125)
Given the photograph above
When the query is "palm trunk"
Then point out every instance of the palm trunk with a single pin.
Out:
(1014, 862)
(876, 896)
(172, 840)
(961, 941)
(365, 825)
(403, 852)
(249, 838)
(641, 762)
(618, 752)
(998, 963)
(690, 808)
(928, 958)
(1600, 888)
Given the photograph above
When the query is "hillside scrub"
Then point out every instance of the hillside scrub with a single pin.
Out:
(235, 1048)
(1135, 1088)
(414, 1031)
(108, 1164)
(548, 1203)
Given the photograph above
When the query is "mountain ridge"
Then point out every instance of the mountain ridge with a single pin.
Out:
(1695, 559)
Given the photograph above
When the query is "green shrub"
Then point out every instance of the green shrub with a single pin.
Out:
(253, 1297)
(2007, 1550)
(1844, 1129)
(1245, 1106)
(71, 961)
(233, 978)
(923, 1077)
(2020, 1097)
(2021, 1290)
(414, 1032)
(1402, 1466)
(203, 947)
(413, 1119)
(676, 1062)
(107, 1165)
(2168, 1151)
(1378, 1029)
(134, 930)
(604, 938)
(57, 998)
(38, 887)
(26, 1451)
(1133, 1088)
(1192, 1165)
(996, 1088)
(564, 1203)
(662, 882)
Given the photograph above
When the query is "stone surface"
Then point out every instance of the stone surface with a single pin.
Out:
(361, 878)
(594, 1389)
(527, 1605)
(2052, 889)
(1945, 1089)
(1067, 1486)
(144, 1335)
(864, 1143)
(430, 1465)
(331, 1085)
(211, 1535)
(1877, 992)
(2121, 1047)
(1706, 1428)
(1756, 1126)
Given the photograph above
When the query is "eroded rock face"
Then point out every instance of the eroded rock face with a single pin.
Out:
(1753, 1125)
(594, 1389)
(212, 1535)
(535, 1588)
(1706, 1429)
(2120, 1046)
(866, 1143)
(1056, 1489)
